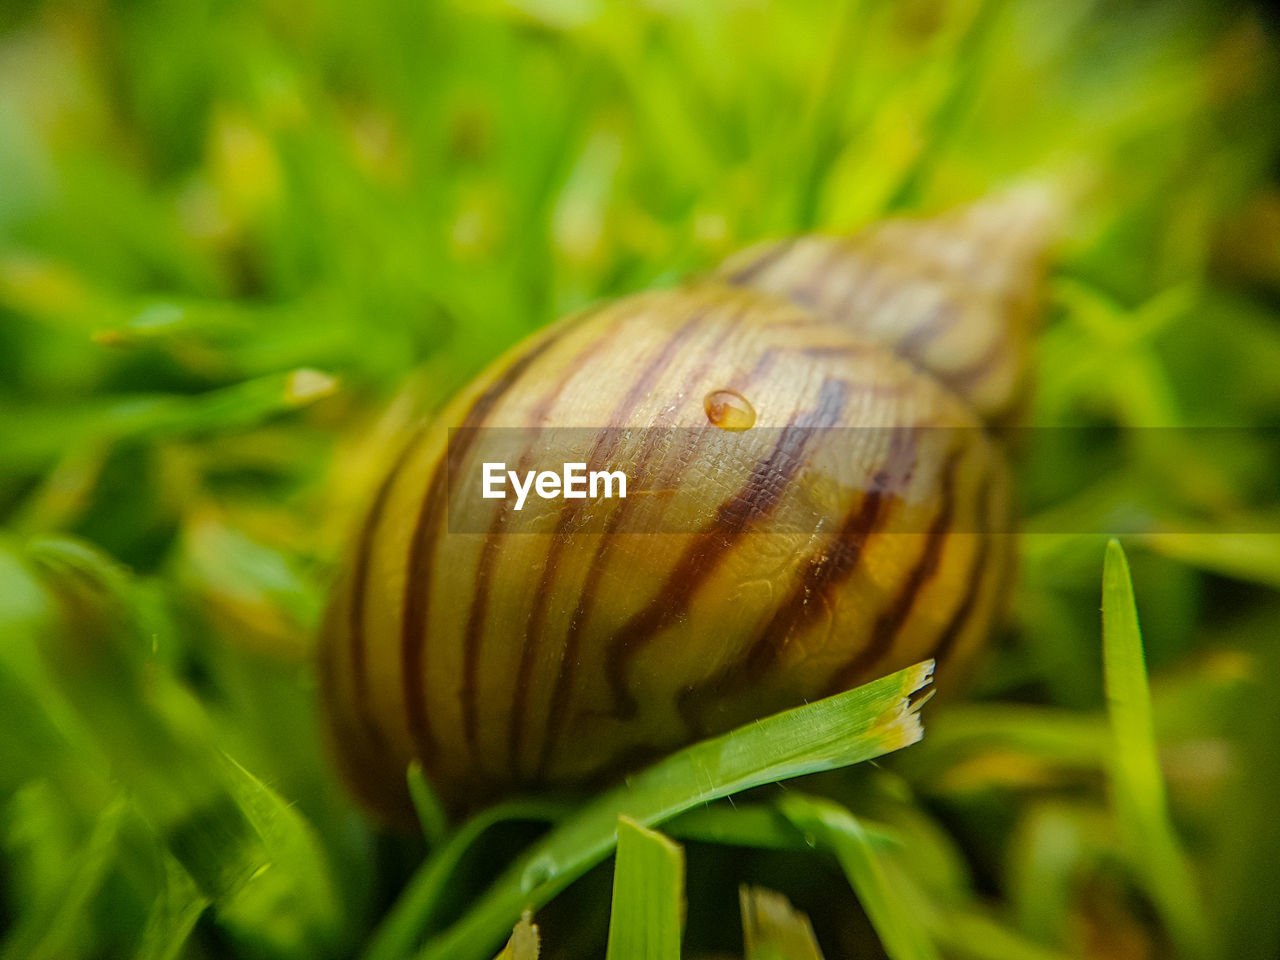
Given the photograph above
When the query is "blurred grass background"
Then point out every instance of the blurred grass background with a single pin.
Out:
(242, 243)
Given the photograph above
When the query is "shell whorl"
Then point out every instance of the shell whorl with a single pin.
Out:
(956, 294)
(504, 662)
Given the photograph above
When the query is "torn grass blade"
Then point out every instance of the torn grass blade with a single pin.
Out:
(525, 944)
(772, 929)
(850, 727)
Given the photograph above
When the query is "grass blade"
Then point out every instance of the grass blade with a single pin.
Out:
(857, 725)
(758, 826)
(431, 814)
(968, 934)
(1243, 882)
(177, 908)
(648, 895)
(772, 929)
(901, 931)
(1136, 781)
(525, 943)
(55, 932)
(415, 912)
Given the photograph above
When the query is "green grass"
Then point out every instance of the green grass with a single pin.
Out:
(893, 908)
(859, 725)
(648, 896)
(1136, 781)
(242, 245)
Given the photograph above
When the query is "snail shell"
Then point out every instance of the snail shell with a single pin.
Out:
(506, 662)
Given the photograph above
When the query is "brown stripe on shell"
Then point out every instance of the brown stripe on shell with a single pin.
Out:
(833, 564)
(757, 499)
(573, 637)
(493, 539)
(587, 595)
(694, 566)
(359, 592)
(802, 318)
(973, 587)
(768, 258)
(363, 769)
(890, 621)
(842, 350)
(475, 618)
(877, 275)
(945, 315)
(811, 294)
(870, 272)
(568, 517)
(423, 544)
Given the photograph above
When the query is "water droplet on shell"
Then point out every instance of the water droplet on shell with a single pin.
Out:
(729, 410)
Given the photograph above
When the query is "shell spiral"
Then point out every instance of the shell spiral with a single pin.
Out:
(570, 655)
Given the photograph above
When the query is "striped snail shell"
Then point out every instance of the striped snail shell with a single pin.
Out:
(571, 654)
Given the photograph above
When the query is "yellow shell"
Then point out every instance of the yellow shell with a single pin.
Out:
(510, 661)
